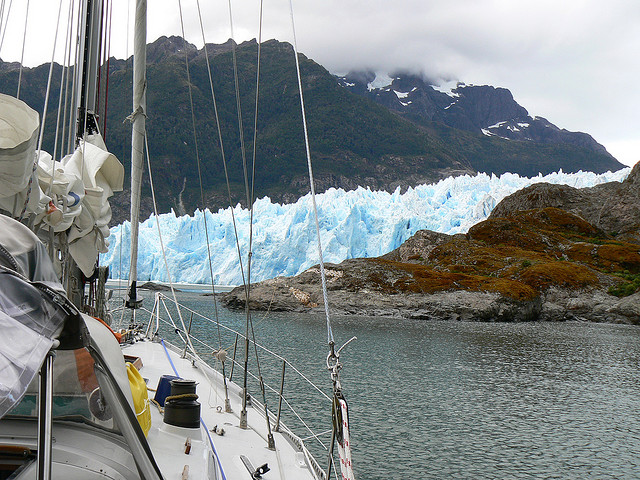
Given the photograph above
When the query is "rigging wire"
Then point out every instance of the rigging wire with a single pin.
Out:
(250, 200)
(213, 287)
(238, 105)
(249, 196)
(313, 191)
(195, 140)
(106, 90)
(71, 139)
(224, 159)
(164, 256)
(251, 206)
(100, 56)
(333, 362)
(44, 112)
(242, 148)
(6, 21)
(243, 412)
(65, 149)
(24, 40)
(62, 78)
(2, 14)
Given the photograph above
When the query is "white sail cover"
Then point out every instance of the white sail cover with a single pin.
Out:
(28, 322)
(101, 174)
(70, 195)
(18, 136)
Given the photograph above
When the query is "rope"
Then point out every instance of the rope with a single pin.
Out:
(313, 192)
(164, 255)
(215, 107)
(46, 104)
(213, 448)
(166, 352)
(182, 396)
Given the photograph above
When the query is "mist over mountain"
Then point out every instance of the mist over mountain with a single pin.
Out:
(362, 131)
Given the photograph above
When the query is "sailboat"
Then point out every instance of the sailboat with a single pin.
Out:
(80, 400)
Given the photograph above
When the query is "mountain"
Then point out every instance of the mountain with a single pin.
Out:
(482, 109)
(355, 139)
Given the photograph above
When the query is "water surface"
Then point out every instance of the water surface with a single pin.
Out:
(438, 400)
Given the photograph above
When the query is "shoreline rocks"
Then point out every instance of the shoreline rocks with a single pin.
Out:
(546, 253)
(554, 305)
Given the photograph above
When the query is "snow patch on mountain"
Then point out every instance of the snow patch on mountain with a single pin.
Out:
(382, 80)
(448, 87)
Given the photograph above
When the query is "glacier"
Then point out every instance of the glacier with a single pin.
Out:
(357, 223)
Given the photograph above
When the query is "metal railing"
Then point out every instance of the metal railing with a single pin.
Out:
(162, 322)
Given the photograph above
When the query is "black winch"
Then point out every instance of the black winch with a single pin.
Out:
(182, 408)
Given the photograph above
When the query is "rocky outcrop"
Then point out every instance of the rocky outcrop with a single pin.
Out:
(613, 207)
(542, 263)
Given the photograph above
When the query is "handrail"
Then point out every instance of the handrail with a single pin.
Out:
(242, 336)
(158, 320)
(267, 386)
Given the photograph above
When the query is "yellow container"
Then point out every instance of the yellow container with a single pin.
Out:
(140, 397)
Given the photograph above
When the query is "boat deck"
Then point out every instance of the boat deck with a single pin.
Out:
(168, 442)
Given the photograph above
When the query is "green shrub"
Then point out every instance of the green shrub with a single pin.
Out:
(625, 289)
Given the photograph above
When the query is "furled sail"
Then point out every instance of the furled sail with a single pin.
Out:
(68, 195)
(18, 137)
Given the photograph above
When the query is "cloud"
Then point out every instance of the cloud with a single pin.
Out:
(571, 61)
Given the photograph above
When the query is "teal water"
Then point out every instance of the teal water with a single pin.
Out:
(437, 400)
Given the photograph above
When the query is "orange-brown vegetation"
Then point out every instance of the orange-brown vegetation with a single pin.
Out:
(517, 256)
(415, 278)
(562, 274)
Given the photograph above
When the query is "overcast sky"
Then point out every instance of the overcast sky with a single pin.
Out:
(574, 62)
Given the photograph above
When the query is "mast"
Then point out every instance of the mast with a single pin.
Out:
(86, 80)
(137, 139)
(87, 75)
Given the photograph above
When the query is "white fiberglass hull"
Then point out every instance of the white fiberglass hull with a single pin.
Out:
(167, 442)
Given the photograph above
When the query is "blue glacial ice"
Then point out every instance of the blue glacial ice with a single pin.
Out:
(358, 223)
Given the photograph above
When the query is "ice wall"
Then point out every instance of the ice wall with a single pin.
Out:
(358, 223)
